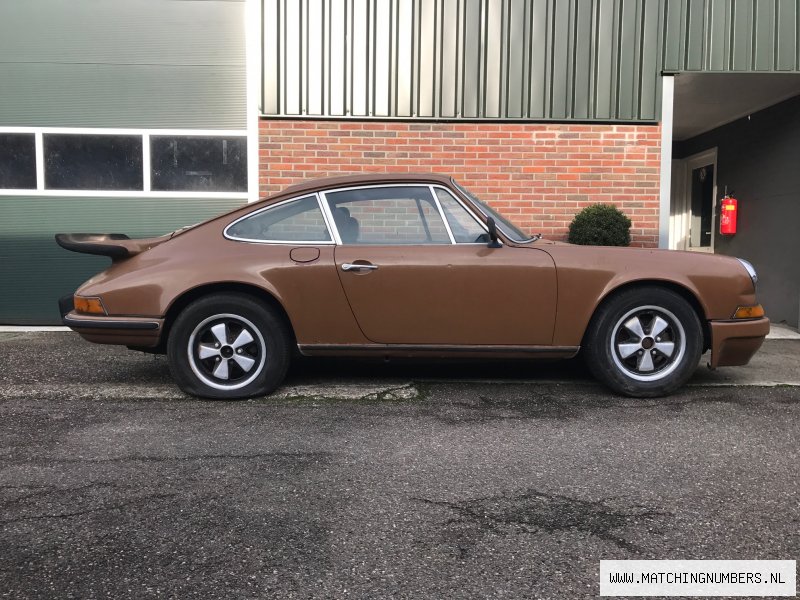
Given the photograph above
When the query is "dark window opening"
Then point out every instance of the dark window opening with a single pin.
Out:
(93, 162)
(702, 206)
(198, 164)
(17, 161)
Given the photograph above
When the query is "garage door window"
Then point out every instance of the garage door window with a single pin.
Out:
(17, 161)
(93, 162)
(125, 163)
(193, 163)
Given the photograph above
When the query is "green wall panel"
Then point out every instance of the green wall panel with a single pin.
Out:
(132, 96)
(462, 59)
(35, 271)
(509, 59)
(731, 35)
(131, 63)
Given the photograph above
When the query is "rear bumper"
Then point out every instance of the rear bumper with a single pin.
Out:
(734, 343)
(127, 331)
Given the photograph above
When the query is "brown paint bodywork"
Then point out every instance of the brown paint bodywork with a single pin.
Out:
(532, 299)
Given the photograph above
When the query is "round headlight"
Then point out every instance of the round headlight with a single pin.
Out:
(750, 270)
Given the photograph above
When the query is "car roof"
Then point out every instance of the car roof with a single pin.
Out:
(363, 179)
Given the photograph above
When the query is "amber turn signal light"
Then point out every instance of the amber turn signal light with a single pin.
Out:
(749, 312)
(89, 305)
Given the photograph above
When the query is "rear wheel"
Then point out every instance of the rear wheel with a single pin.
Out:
(644, 342)
(228, 346)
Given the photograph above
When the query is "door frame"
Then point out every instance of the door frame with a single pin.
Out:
(681, 209)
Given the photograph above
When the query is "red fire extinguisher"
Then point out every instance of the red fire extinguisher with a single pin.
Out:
(727, 217)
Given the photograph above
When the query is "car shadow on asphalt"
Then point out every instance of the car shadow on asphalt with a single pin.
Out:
(307, 369)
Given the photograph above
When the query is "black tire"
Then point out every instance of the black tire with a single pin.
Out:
(229, 346)
(621, 352)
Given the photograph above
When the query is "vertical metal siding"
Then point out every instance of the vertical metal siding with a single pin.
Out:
(509, 59)
(451, 59)
(731, 35)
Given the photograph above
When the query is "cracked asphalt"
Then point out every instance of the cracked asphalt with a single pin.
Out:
(365, 480)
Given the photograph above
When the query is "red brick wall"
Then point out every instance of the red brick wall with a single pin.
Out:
(539, 175)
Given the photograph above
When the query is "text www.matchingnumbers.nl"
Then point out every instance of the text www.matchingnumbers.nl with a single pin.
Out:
(696, 578)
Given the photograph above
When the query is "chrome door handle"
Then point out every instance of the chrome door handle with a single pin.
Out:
(353, 267)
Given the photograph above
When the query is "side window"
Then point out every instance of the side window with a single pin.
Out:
(388, 215)
(297, 221)
(465, 228)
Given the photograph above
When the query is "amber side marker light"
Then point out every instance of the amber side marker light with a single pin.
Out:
(749, 312)
(92, 306)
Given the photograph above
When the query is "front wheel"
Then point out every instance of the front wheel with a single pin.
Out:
(644, 342)
(228, 346)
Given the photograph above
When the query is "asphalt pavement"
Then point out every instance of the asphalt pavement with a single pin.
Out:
(370, 480)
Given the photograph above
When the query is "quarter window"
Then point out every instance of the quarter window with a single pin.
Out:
(387, 215)
(17, 161)
(297, 221)
(466, 230)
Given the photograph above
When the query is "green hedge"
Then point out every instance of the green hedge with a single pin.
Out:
(600, 225)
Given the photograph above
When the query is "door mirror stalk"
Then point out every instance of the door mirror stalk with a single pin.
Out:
(494, 242)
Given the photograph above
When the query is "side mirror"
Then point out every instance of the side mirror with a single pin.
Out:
(494, 242)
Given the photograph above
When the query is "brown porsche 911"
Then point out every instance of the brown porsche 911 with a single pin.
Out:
(406, 266)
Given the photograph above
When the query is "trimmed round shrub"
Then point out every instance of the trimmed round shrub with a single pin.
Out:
(600, 225)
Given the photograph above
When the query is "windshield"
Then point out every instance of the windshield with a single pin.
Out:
(510, 230)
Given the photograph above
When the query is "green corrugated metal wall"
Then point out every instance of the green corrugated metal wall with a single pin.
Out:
(732, 35)
(509, 59)
(131, 63)
(107, 63)
(35, 272)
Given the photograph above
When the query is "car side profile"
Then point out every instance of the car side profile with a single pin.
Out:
(406, 266)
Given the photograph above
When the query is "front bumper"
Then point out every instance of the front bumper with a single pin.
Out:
(100, 329)
(734, 343)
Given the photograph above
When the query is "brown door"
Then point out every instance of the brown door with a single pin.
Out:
(450, 293)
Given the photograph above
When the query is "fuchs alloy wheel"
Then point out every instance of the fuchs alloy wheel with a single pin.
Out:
(226, 351)
(228, 346)
(644, 342)
(648, 343)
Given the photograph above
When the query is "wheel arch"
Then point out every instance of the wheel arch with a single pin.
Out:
(189, 296)
(685, 292)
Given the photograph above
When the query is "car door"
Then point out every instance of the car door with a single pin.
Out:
(412, 276)
(290, 248)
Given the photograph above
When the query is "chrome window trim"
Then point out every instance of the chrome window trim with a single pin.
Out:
(331, 242)
(442, 215)
(333, 231)
(480, 223)
(419, 184)
(326, 210)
